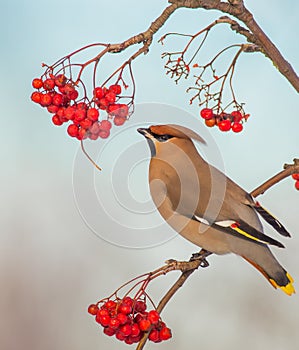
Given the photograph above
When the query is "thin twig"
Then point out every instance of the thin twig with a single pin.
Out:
(89, 158)
(289, 169)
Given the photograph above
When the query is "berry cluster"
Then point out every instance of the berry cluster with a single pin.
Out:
(60, 96)
(225, 122)
(128, 320)
(296, 178)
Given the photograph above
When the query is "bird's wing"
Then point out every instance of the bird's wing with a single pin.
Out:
(245, 231)
(246, 198)
(242, 230)
(271, 219)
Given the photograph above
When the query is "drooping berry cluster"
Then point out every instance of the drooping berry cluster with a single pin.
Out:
(128, 320)
(60, 96)
(225, 122)
(296, 178)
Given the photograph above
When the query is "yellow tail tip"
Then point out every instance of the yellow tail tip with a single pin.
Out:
(288, 289)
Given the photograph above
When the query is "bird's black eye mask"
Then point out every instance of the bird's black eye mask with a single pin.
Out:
(161, 138)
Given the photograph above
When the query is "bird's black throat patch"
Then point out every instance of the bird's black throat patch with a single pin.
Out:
(152, 147)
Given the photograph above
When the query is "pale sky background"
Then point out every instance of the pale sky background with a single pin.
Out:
(52, 265)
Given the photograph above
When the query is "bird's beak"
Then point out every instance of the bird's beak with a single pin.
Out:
(150, 139)
(145, 132)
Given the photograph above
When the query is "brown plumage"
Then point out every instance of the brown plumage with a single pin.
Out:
(206, 207)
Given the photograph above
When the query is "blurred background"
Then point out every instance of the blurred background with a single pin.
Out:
(70, 236)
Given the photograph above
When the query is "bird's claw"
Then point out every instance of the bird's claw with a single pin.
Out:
(201, 256)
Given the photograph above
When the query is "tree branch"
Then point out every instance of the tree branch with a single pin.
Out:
(289, 169)
(237, 9)
(146, 36)
(187, 268)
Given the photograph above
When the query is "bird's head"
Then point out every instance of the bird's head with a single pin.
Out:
(159, 136)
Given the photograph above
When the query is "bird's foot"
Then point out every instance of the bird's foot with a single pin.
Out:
(202, 255)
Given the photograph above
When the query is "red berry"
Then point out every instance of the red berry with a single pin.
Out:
(62, 89)
(120, 336)
(129, 340)
(126, 330)
(105, 125)
(93, 136)
(123, 307)
(110, 304)
(93, 308)
(210, 122)
(154, 336)
(98, 93)
(237, 116)
(140, 306)
(114, 323)
(49, 84)
(72, 130)
(297, 185)
(82, 134)
(224, 125)
(69, 112)
(103, 103)
(70, 91)
(122, 318)
(295, 176)
(58, 99)
(60, 80)
(73, 95)
(45, 99)
(95, 128)
(56, 120)
(113, 108)
(37, 83)
(36, 96)
(80, 112)
(93, 114)
(103, 312)
(110, 97)
(128, 301)
(52, 109)
(144, 325)
(67, 88)
(79, 116)
(116, 89)
(165, 333)
(153, 316)
(61, 112)
(206, 113)
(123, 111)
(109, 331)
(103, 320)
(138, 318)
(86, 123)
(135, 330)
(132, 339)
(82, 105)
(104, 134)
(118, 121)
(237, 127)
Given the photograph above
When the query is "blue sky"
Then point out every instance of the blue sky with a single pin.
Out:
(52, 265)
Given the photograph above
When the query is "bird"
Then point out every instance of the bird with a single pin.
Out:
(208, 208)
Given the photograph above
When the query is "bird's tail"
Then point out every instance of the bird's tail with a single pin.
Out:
(271, 219)
(276, 275)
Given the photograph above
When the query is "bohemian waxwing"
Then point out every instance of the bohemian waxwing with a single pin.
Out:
(206, 207)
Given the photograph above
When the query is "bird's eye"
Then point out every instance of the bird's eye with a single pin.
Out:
(163, 138)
